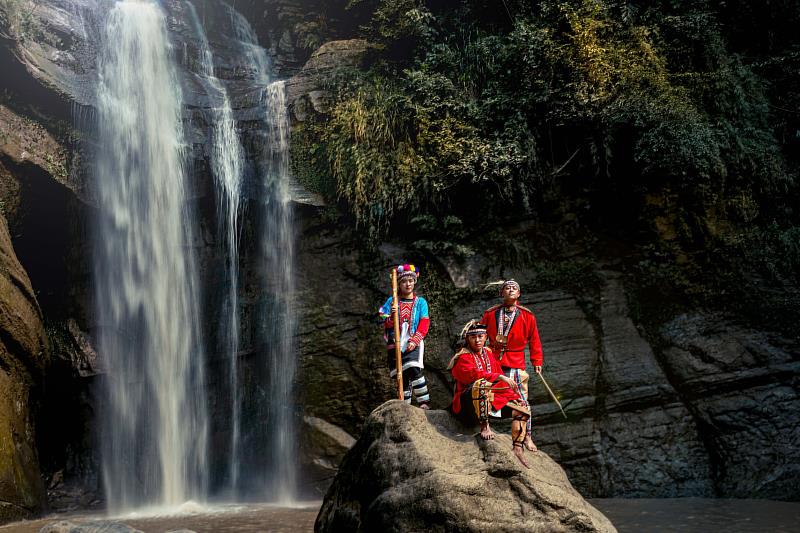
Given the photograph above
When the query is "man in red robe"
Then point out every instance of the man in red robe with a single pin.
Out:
(483, 391)
(510, 327)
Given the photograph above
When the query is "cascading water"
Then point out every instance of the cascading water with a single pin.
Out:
(226, 162)
(255, 56)
(278, 249)
(154, 428)
(278, 322)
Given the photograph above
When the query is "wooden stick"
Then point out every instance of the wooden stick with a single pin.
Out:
(553, 396)
(396, 317)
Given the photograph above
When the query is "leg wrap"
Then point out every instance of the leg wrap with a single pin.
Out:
(518, 429)
(414, 382)
(420, 388)
(521, 378)
(482, 397)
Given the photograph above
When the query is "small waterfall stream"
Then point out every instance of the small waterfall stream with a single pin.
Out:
(226, 161)
(154, 430)
(278, 249)
(276, 317)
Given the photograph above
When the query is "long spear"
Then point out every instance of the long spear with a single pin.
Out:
(396, 318)
(553, 396)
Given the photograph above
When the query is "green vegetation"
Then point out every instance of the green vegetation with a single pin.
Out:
(499, 100)
(481, 113)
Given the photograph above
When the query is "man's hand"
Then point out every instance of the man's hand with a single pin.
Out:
(538, 369)
(410, 346)
(510, 382)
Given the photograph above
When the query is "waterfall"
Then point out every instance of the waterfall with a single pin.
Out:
(255, 55)
(154, 423)
(226, 163)
(278, 250)
(277, 316)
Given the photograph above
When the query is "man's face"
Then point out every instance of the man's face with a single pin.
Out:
(407, 285)
(510, 293)
(476, 342)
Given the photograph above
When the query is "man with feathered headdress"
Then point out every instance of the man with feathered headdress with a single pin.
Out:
(510, 328)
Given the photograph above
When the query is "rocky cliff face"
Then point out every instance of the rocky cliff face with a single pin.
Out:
(22, 359)
(702, 406)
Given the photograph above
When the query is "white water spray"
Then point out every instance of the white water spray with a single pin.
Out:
(154, 431)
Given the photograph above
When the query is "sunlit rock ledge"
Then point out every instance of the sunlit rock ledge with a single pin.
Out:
(413, 470)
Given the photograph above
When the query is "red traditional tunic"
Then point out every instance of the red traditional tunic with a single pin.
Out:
(468, 367)
(521, 330)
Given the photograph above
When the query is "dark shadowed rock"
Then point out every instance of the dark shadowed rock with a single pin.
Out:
(329, 442)
(24, 143)
(323, 445)
(742, 386)
(22, 359)
(342, 353)
(417, 471)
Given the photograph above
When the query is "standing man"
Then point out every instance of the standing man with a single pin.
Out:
(510, 327)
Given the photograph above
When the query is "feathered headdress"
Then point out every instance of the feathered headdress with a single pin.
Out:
(473, 327)
(502, 284)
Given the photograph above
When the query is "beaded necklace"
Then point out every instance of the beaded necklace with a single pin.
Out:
(505, 321)
(482, 360)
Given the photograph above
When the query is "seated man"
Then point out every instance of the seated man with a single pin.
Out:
(482, 391)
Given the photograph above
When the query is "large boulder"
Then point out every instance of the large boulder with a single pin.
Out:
(413, 470)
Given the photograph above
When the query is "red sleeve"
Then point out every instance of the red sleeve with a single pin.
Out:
(466, 372)
(537, 357)
(422, 330)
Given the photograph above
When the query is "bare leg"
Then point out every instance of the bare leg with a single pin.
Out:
(486, 431)
(517, 437)
(522, 378)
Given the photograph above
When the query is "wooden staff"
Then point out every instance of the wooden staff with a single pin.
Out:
(553, 396)
(396, 319)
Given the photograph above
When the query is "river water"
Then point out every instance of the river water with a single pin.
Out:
(689, 515)
(701, 515)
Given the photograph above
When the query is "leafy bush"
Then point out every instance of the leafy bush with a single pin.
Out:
(478, 110)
